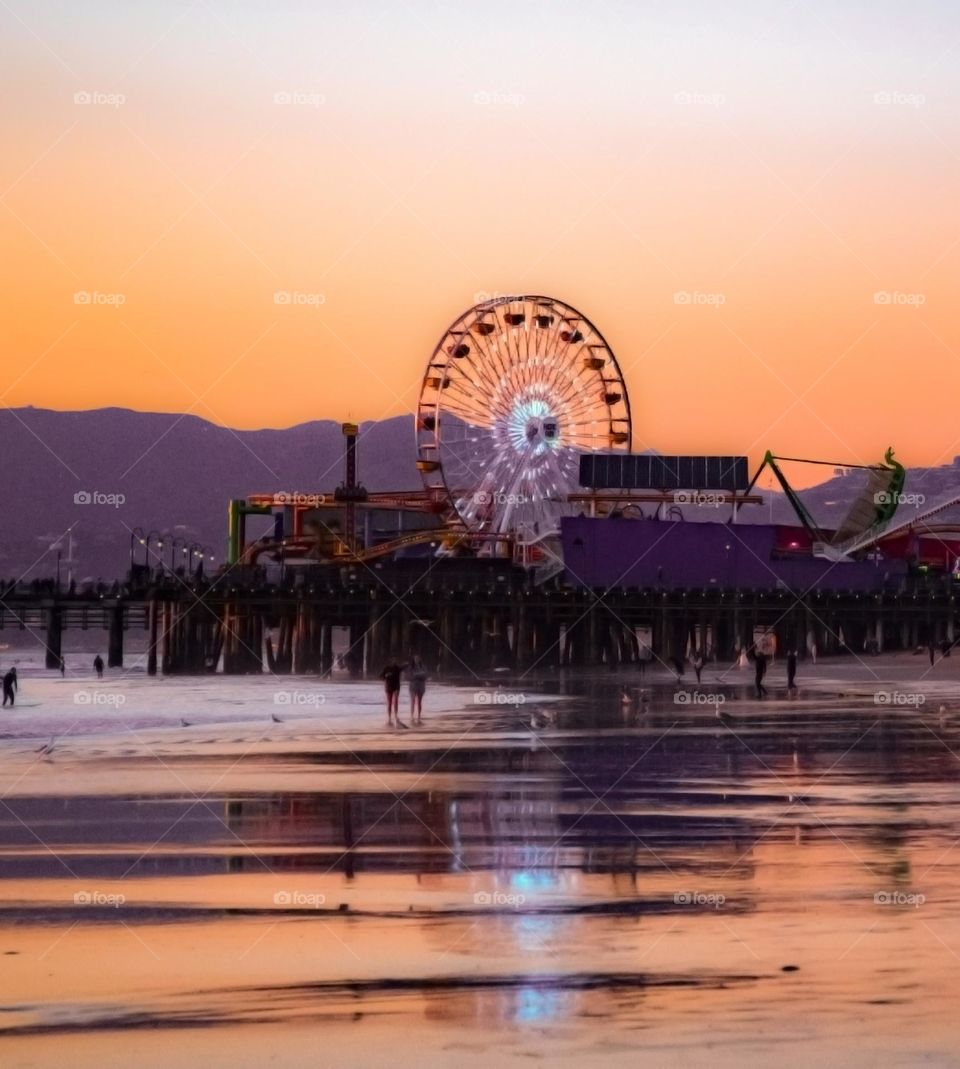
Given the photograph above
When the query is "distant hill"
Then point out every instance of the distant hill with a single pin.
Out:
(177, 472)
(171, 469)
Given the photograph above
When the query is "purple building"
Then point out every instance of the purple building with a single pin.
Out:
(676, 555)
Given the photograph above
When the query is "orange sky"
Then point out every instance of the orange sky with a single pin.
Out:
(399, 160)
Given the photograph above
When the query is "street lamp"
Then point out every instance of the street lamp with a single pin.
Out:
(193, 549)
(205, 554)
(136, 535)
(174, 542)
(156, 536)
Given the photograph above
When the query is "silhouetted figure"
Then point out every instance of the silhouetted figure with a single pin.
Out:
(391, 686)
(418, 687)
(791, 670)
(98, 666)
(760, 670)
(931, 651)
(63, 667)
(10, 686)
(698, 664)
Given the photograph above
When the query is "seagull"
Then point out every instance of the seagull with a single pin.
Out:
(47, 749)
(185, 723)
(276, 719)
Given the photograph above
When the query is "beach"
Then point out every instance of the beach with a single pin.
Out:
(258, 871)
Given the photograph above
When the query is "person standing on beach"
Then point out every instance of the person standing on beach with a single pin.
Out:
(418, 687)
(760, 665)
(698, 664)
(391, 686)
(98, 666)
(9, 686)
(792, 670)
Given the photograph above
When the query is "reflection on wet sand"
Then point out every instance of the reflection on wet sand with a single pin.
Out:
(646, 882)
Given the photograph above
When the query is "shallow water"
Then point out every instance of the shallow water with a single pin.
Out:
(564, 878)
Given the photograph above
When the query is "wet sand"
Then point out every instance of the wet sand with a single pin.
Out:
(565, 878)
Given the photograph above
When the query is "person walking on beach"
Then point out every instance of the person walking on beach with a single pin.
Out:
(10, 686)
(63, 667)
(792, 670)
(760, 670)
(98, 666)
(391, 686)
(698, 664)
(418, 687)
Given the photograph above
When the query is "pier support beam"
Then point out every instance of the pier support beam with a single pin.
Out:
(115, 643)
(54, 640)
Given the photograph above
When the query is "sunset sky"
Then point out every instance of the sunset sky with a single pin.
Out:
(780, 163)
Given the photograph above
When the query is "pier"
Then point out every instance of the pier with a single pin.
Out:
(467, 616)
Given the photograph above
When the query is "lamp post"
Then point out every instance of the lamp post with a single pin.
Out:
(174, 542)
(135, 535)
(194, 548)
(205, 555)
(153, 536)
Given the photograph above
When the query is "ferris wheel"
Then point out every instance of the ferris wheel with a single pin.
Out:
(515, 391)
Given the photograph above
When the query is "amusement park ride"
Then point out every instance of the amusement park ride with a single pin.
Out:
(524, 419)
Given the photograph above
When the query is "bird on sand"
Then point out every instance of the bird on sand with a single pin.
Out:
(276, 719)
(47, 749)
